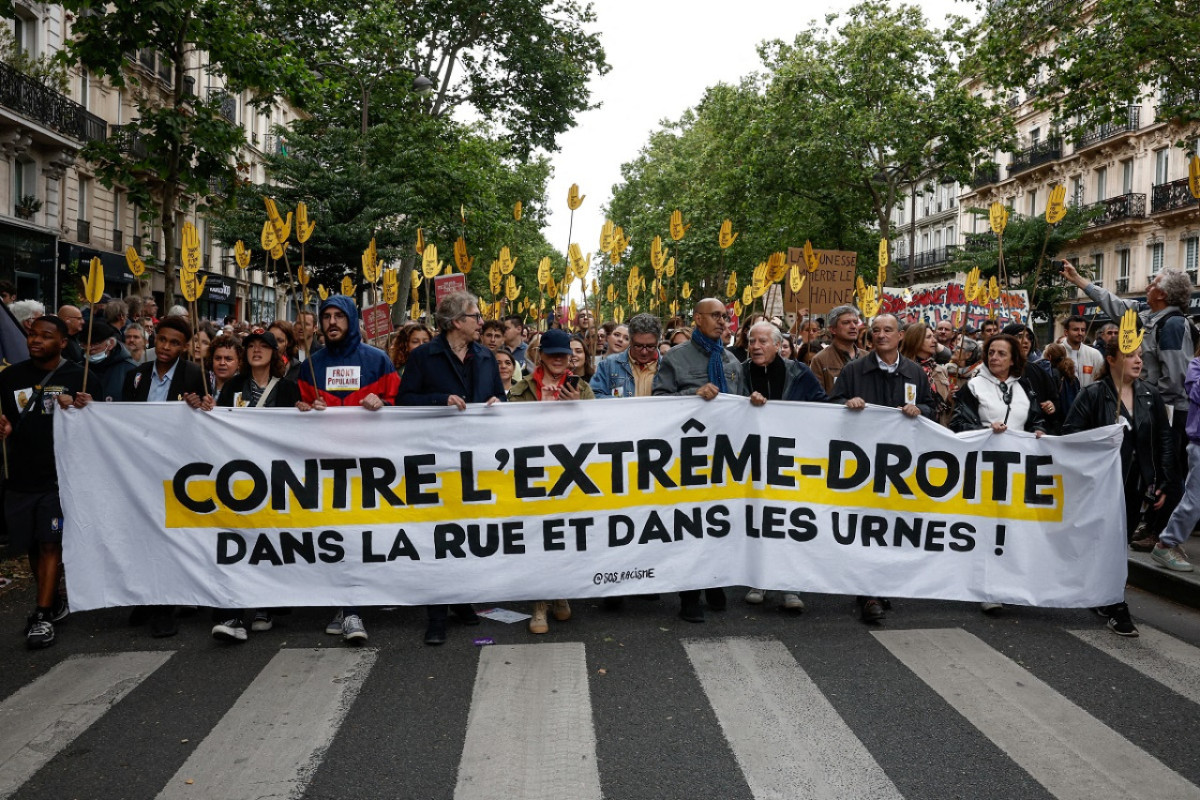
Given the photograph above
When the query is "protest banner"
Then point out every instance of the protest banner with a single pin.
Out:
(931, 302)
(444, 285)
(377, 320)
(829, 286)
(517, 501)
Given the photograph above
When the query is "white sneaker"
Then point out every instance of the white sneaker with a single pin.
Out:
(334, 628)
(792, 602)
(755, 596)
(1173, 558)
(353, 630)
(990, 608)
(262, 621)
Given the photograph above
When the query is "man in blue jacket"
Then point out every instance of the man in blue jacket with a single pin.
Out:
(453, 369)
(631, 373)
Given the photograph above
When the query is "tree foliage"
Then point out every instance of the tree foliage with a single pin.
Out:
(1087, 65)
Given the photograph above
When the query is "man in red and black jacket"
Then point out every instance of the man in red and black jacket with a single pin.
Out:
(347, 372)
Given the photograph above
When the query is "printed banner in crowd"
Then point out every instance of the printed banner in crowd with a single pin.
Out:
(271, 507)
(931, 302)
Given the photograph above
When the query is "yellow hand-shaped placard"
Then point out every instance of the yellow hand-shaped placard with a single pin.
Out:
(462, 258)
(304, 228)
(726, 237)
(543, 273)
(1194, 176)
(998, 217)
(136, 265)
(517, 211)
(93, 286)
(574, 200)
(1130, 337)
(1056, 209)
(810, 256)
(430, 266)
(189, 250)
(348, 286)
(322, 292)
(606, 237)
(268, 238)
(420, 242)
(796, 278)
(240, 254)
(507, 262)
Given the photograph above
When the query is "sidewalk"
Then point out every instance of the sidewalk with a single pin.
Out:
(1182, 587)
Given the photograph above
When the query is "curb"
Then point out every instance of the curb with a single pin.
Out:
(1181, 587)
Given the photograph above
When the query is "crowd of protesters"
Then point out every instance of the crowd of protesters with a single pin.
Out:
(998, 379)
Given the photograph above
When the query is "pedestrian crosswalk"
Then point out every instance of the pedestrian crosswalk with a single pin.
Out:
(763, 719)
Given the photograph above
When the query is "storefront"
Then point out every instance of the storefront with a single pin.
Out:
(262, 304)
(219, 299)
(75, 261)
(27, 259)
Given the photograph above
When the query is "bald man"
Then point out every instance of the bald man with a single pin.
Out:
(71, 315)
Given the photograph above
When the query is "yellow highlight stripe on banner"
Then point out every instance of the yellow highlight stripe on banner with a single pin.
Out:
(809, 490)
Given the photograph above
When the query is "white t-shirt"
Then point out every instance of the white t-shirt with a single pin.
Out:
(1088, 361)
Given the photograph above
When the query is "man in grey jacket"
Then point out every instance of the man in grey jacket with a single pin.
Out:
(1167, 349)
(703, 368)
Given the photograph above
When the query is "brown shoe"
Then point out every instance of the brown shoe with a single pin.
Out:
(1143, 545)
(538, 623)
(561, 609)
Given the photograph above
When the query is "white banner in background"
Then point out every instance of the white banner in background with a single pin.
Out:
(271, 507)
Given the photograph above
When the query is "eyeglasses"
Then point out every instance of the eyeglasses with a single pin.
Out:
(478, 317)
(719, 316)
(642, 346)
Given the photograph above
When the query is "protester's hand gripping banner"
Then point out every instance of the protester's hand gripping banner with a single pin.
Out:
(271, 507)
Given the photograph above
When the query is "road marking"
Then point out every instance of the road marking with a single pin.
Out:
(530, 732)
(1156, 655)
(271, 742)
(1067, 750)
(40, 719)
(787, 737)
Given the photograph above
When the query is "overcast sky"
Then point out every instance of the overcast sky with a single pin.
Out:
(664, 53)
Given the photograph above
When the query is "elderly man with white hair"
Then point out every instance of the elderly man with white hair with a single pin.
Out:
(768, 376)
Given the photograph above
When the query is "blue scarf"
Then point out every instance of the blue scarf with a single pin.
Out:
(716, 364)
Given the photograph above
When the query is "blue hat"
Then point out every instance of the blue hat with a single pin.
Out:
(556, 343)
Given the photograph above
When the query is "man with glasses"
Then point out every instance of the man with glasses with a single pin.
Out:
(453, 369)
(631, 373)
(74, 319)
(703, 368)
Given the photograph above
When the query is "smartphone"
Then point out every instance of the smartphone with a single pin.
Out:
(573, 381)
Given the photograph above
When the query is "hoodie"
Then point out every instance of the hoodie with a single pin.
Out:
(349, 370)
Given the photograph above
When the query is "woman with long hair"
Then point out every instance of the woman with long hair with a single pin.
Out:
(410, 336)
(1119, 396)
(507, 365)
(285, 335)
(580, 362)
(920, 345)
(1062, 372)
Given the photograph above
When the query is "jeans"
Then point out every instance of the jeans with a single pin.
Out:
(1187, 512)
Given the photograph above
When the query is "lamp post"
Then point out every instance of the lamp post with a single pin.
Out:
(421, 84)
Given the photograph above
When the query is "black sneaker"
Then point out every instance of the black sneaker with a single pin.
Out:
(62, 609)
(231, 630)
(1119, 621)
(39, 634)
(871, 609)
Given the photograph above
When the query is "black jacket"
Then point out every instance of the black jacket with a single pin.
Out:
(285, 394)
(863, 378)
(433, 373)
(966, 409)
(1154, 445)
(799, 383)
(188, 379)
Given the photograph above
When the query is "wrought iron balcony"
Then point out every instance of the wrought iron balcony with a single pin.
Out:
(927, 259)
(975, 242)
(1171, 196)
(1099, 133)
(274, 145)
(985, 176)
(1122, 285)
(1176, 96)
(83, 231)
(32, 99)
(1035, 155)
(228, 104)
(1127, 206)
(129, 141)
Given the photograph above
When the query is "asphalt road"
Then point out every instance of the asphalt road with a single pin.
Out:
(632, 704)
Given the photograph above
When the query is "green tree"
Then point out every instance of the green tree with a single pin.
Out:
(178, 144)
(879, 103)
(1087, 62)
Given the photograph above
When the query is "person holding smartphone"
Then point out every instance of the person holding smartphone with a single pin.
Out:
(551, 380)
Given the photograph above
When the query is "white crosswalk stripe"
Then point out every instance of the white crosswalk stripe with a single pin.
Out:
(266, 745)
(529, 728)
(530, 733)
(787, 738)
(1155, 654)
(47, 715)
(1067, 750)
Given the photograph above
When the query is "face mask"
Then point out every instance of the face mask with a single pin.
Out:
(98, 357)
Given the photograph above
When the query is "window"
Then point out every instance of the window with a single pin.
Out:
(1127, 176)
(1077, 191)
(1162, 162)
(1191, 254)
(85, 90)
(937, 240)
(1033, 209)
(25, 35)
(1122, 271)
(1156, 258)
(1098, 268)
(1101, 184)
(1035, 135)
(24, 178)
(950, 235)
(924, 242)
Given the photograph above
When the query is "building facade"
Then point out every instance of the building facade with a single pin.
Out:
(57, 216)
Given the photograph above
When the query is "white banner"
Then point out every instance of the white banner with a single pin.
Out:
(271, 507)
